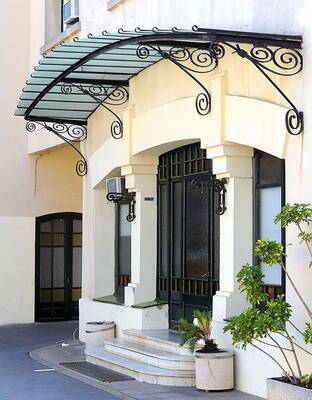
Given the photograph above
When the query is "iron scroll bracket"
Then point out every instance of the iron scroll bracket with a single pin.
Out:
(218, 186)
(74, 134)
(200, 60)
(293, 117)
(129, 197)
(112, 96)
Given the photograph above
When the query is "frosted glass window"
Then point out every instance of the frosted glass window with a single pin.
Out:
(124, 225)
(270, 205)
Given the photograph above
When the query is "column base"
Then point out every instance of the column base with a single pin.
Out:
(227, 305)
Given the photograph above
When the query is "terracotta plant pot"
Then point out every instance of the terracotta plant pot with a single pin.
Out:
(278, 390)
(214, 371)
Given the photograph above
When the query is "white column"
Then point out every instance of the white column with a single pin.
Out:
(233, 162)
(98, 252)
(142, 179)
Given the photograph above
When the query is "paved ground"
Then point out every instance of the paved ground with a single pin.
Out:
(20, 381)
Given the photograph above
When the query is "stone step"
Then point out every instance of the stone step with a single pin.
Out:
(161, 339)
(149, 355)
(138, 370)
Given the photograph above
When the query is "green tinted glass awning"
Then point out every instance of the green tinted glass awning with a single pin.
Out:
(73, 79)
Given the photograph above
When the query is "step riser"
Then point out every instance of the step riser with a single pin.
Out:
(150, 342)
(147, 378)
(150, 360)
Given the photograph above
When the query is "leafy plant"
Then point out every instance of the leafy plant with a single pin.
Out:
(267, 326)
(200, 331)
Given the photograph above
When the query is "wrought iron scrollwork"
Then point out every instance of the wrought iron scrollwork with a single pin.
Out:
(116, 198)
(219, 188)
(201, 60)
(113, 96)
(74, 134)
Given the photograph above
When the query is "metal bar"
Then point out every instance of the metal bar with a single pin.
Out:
(97, 82)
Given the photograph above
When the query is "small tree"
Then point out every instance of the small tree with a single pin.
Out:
(266, 323)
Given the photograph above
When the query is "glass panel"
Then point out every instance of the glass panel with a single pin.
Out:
(76, 294)
(270, 205)
(177, 228)
(58, 294)
(124, 242)
(58, 267)
(45, 239)
(196, 232)
(45, 267)
(58, 225)
(77, 225)
(77, 267)
(269, 169)
(45, 295)
(77, 239)
(46, 226)
(58, 239)
(124, 225)
(164, 230)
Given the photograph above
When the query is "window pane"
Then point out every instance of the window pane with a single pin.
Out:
(124, 225)
(45, 239)
(58, 267)
(270, 205)
(58, 239)
(46, 226)
(77, 239)
(58, 225)
(270, 169)
(45, 268)
(77, 267)
(77, 225)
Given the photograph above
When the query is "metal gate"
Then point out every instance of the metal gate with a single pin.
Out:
(188, 232)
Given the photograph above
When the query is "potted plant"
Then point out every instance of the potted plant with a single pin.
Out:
(269, 323)
(214, 367)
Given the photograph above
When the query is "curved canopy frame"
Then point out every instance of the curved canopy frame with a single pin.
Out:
(74, 79)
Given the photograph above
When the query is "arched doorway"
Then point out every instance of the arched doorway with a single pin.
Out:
(188, 232)
(58, 266)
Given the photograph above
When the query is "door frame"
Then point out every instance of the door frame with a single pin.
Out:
(68, 259)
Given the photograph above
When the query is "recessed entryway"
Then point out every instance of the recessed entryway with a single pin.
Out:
(188, 232)
(58, 266)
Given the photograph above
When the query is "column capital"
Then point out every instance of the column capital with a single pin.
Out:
(140, 178)
(231, 161)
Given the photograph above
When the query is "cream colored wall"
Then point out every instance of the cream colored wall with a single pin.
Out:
(30, 185)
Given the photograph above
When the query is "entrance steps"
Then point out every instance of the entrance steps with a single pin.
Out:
(148, 356)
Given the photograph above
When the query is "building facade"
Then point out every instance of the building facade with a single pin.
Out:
(204, 140)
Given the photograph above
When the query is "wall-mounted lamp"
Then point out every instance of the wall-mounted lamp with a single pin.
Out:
(219, 188)
(117, 193)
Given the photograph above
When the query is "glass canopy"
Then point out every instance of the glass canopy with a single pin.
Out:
(73, 79)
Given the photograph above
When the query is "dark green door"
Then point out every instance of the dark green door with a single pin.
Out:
(187, 233)
(58, 266)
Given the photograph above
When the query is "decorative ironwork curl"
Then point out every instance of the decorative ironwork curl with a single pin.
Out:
(218, 186)
(288, 61)
(75, 133)
(199, 58)
(114, 96)
(143, 52)
(203, 103)
(116, 198)
(294, 121)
